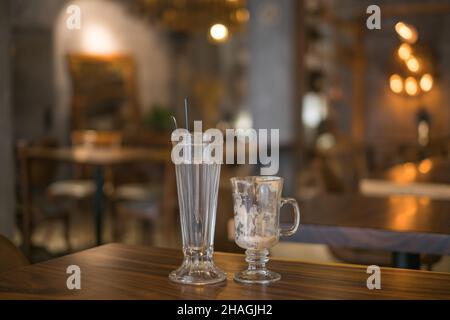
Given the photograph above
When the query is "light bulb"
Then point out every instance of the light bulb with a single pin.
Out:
(404, 51)
(396, 83)
(426, 82)
(413, 64)
(219, 32)
(242, 15)
(406, 32)
(411, 87)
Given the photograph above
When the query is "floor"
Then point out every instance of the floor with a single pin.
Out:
(50, 236)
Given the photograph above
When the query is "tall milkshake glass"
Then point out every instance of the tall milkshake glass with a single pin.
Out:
(197, 185)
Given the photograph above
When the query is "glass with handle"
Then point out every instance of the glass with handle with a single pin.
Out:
(257, 202)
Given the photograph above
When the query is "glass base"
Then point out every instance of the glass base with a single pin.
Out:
(257, 276)
(257, 271)
(198, 269)
(198, 275)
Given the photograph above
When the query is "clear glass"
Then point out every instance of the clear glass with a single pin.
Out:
(197, 186)
(257, 203)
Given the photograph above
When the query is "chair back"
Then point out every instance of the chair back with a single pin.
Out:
(42, 172)
(343, 166)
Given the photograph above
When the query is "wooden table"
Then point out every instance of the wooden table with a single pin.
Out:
(117, 271)
(405, 225)
(429, 177)
(99, 158)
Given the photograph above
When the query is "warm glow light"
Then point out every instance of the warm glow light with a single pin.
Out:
(406, 32)
(424, 201)
(426, 82)
(413, 64)
(423, 131)
(98, 40)
(405, 209)
(411, 87)
(325, 141)
(396, 83)
(405, 173)
(242, 15)
(244, 120)
(404, 51)
(425, 166)
(219, 32)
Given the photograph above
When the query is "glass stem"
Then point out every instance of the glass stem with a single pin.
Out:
(257, 259)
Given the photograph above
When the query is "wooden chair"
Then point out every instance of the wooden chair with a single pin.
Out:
(141, 197)
(41, 174)
(343, 166)
(10, 256)
(63, 196)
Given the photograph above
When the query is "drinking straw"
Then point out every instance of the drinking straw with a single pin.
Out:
(186, 117)
(191, 177)
(175, 122)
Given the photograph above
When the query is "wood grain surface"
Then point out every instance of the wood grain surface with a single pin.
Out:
(117, 271)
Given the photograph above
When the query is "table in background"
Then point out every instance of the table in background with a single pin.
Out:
(98, 158)
(117, 271)
(429, 177)
(430, 170)
(405, 225)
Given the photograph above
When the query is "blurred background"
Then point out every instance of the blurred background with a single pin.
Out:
(87, 88)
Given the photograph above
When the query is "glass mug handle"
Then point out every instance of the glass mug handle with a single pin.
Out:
(294, 204)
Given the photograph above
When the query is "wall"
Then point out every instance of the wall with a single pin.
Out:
(42, 42)
(272, 75)
(32, 65)
(271, 67)
(6, 155)
(390, 118)
(126, 34)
